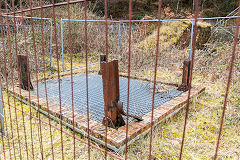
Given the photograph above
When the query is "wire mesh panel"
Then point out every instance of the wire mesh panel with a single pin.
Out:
(140, 95)
(14, 27)
(175, 37)
(96, 35)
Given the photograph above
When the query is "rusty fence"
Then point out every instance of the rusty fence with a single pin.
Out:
(44, 131)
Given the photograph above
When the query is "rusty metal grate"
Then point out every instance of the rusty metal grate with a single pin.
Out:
(140, 95)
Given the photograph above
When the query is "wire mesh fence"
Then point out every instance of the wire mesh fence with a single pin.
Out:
(54, 116)
(13, 29)
(176, 37)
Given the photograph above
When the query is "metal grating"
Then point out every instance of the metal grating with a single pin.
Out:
(140, 95)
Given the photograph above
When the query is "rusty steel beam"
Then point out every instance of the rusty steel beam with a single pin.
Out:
(24, 72)
(110, 78)
(186, 75)
(113, 107)
(120, 109)
(196, 8)
(44, 6)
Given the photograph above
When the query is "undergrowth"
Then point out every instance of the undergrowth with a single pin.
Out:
(211, 70)
(202, 131)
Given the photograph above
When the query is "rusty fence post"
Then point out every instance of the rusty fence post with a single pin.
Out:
(24, 72)
(103, 58)
(1, 112)
(185, 77)
(110, 79)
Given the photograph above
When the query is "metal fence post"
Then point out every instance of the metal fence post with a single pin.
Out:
(62, 43)
(17, 28)
(191, 42)
(120, 35)
(51, 31)
(1, 112)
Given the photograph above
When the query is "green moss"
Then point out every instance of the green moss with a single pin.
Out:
(170, 33)
(175, 33)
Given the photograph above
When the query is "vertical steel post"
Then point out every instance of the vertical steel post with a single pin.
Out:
(191, 42)
(120, 35)
(185, 77)
(1, 112)
(51, 31)
(25, 82)
(62, 43)
(111, 94)
(17, 28)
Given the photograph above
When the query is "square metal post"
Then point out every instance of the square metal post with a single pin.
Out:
(111, 94)
(1, 112)
(24, 72)
(51, 39)
(185, 77)
(120, 36)
(62, 43)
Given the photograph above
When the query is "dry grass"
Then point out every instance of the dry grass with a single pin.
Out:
(24, 129)
(211, 68)
(202, 131)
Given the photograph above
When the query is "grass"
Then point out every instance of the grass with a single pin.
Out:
(200, 142)
(24, 129)
(204, 116)
(202, 131)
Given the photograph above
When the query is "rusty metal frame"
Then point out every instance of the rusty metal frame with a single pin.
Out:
(111, 72)
(44, 6)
